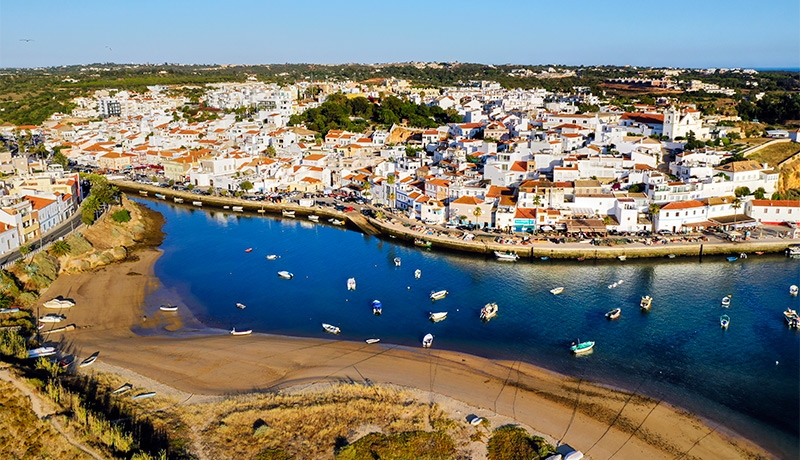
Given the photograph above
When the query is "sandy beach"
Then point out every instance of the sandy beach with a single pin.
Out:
(109, 307)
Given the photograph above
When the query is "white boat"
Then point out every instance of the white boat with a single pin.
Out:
(397, 261)
(438, 316)
(436, 295)
(671, 256)
(614, 314)
(90, 360)
(724, 321)
(52, 318)
(793, 290)
(237, 209)
(793, 250)
(241, 306)
(646, 302)
(149, 394)
(370, 341)
(10, 310)
(489, 311)
(286, 213)
(726, 301)
(792, 319)
(622, 258)
(313, 218)
(123, 389)
(427, 341)
(41, 351)
(417, 273)
(336, 221)
(161, 196)
(743, 256)
(177, 200)
(581, 347)
(612, 285)
(246, 332)
(351, 284)
(506, 256)
(272, 257)
(285, 275)
(330, 328)
(169, 308)
(57, 304)
(619, 283)
(557, 290)
(197, 203)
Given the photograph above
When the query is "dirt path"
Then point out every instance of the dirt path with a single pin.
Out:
(45, 411)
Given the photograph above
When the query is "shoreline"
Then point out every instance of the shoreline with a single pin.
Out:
(218, 364)
(532, 251)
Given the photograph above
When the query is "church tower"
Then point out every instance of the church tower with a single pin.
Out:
(671, 121)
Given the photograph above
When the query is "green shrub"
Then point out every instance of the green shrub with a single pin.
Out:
(12, 344)
(48, 265)
(28, 297)
(78, 245)
(413, 444)
(121, 216)
(514, 443)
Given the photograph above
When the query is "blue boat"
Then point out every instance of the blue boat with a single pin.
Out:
(545, 258)
(376, 307)
(732, 259)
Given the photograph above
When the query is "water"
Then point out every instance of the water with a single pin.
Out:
(746, 376)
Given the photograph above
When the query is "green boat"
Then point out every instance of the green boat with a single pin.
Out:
(422, 243)
(581, 347)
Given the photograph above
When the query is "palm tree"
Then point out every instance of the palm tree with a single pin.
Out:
(736, 204)
(60, 248)
(653, 210)
(537, 200)
(477, 213)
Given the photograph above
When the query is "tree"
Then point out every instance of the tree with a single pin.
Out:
(61, 159)
(760, 193)
(60, 248)
(654, 209)
(270, 152)
(246, 186)
(742, 191)
(390, 179)
(537, 200)
(736, 204)
(477, 212)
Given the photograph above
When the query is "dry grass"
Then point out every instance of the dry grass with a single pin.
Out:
(775, 153)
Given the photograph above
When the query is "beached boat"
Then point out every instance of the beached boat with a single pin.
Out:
(506, 256)
(52, 318)
(791, 317)
(351, 284)
(422, 243)
(646, 302)
(622, 258)
(437, 316)
(123, 389)
(557, 290)
(545, 258)
(489, 311)
(90, 360)
(237, 209)
(397, 261)
(197, 203)
(272, 257)
(10, 310)
(330, 328)
(371, 341)
(241, 306)
(574, 455)
(579, 259)
(245, 332)
(57, 304)
(671, 256)
(732, 259)
(581, 347)
(377, 308)
(436, 295)
(285, 275)
(161, 196)
(759, 253)
(614, 314)
(169, 308)
(427, 341)
(248, 250)
(149, 394)
(41, 351)
(336, 221)
(793, 290)
(726, 301)
(313, 218)
(724, 321)
(287, 213)
(66, 361)
(417, 273)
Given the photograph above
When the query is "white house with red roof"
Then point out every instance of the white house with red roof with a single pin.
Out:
(680, 216)
(773, 211)
(9, 238)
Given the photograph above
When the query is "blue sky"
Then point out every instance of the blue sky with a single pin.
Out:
(680, 33)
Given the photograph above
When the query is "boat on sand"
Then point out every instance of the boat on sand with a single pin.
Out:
(245, 332)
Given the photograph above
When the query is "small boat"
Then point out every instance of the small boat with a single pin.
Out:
(123, 389)
(612, 285)
(743, 256)
(793, 250)
(422, 243)
(330, 328)
(622, 258)
(476, 421)
(286, 213)
(10, 310)
(557, 290)
(57, 304)
(41, 351)
(506, 256)
(371, 341)
(581, 258)
(161, 196)
(143, 192)
(792, 319)
(427, 341)
(169, 308)
(732, 259)
(336, 221)
(66, 361)
(436, 295)
(646, 302)
(248, 250)
(285, 275)
(90, 360)
(272, 257)
(724, 321)
(671, 256)
(144, 395)
(581, 347)
(377, 308)
(614, 314)
(52, 318)
(438, 316)
(313, 218)
(619, 283)
(237, 209)
(241, 306)
(759, 253)
(726, 301)
(545, 258)
(197, 203)
(351, 284)
(488, 311)
(246, 332)
(396, 261)
(226, 207)
(793, 290)
(417, 273)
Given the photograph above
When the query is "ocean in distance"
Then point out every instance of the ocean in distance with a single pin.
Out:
(745, 377)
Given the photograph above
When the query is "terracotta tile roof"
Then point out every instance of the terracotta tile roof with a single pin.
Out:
(777, 203)
(683, 205)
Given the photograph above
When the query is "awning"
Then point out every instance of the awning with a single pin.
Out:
(586, 225)
(546, 228)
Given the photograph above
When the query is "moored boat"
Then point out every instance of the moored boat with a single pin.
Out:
(287, 213)
(489, 311)
(371, 341)
(168, 308)
(436, 295)
(557, 290)
(791, 317)
(351, 284)
(285, 275)
(237, 209)
(726, 301)
(743, 256)
(313, 218)
(614, 314)
(241, 306)
(242, 332)
(41, 351)
(671, 256)
(417, 273)
(161, 196)
(330, 328)
(545, 258)
(506, 256)
(793, 250)
(197, 203)
(759, 253)
(397, 261)
(427, 341)
(90, 360)
(793, 290)
(732, 259)
(272, 257)
(437, 316)
(422, 243)
(377, 308)
(724, 321)
(581, 347)
(336, 221)
(622, 258)
(248, 250)
(646, 302)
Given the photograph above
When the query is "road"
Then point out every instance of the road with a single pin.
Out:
(61, 230)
